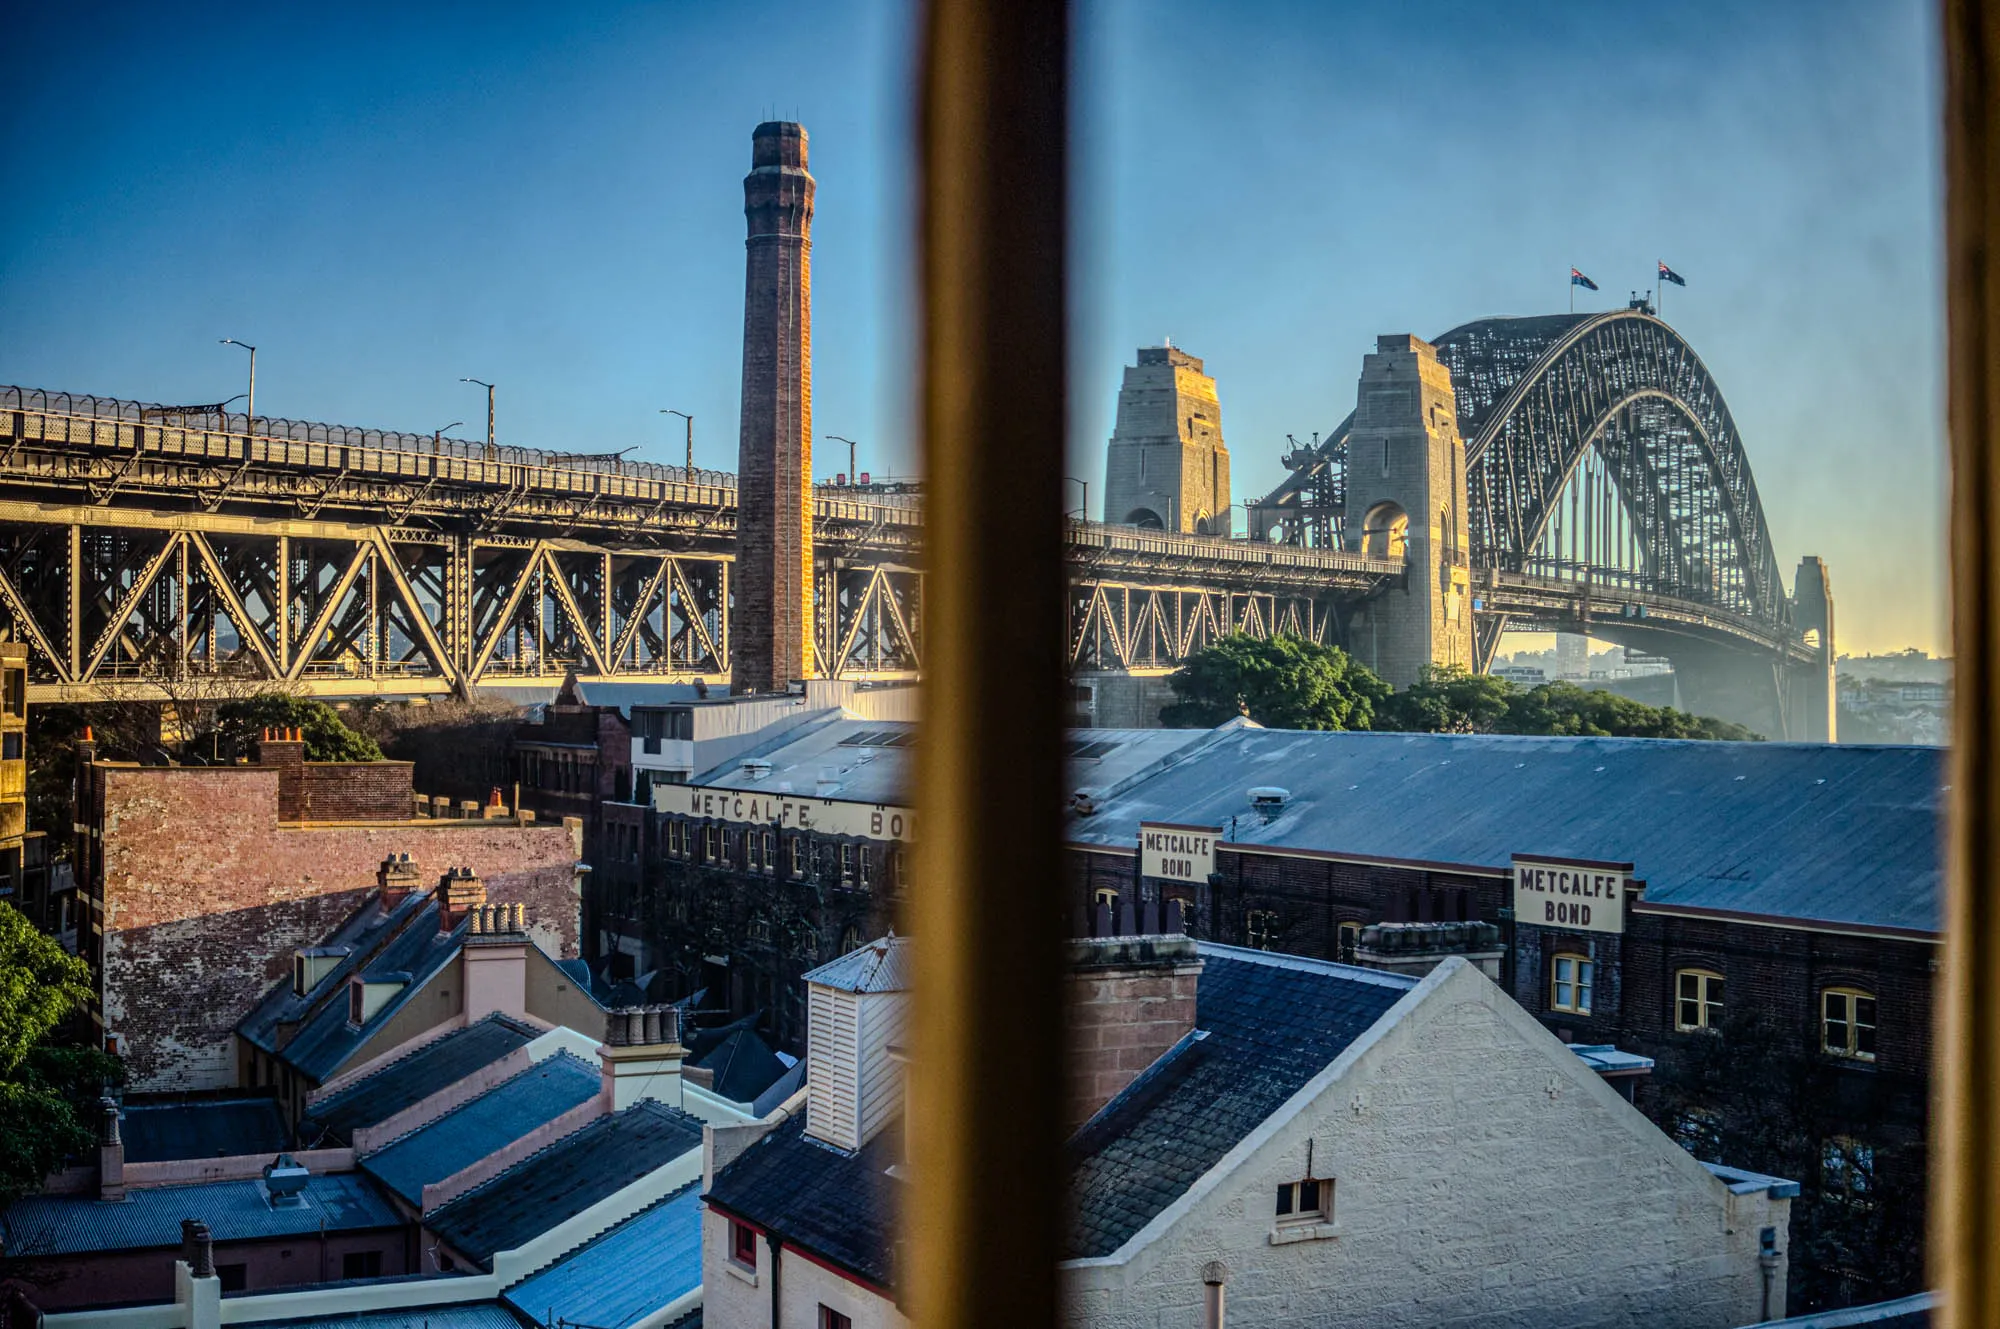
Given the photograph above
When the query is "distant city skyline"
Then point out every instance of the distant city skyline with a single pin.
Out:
(388, 200)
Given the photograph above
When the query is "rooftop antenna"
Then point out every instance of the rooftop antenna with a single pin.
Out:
(1167, 342)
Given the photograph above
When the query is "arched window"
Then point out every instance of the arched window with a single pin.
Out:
(1385, 531)
(1146, 518)
(1847, 1023)
(1106, 897)
(1697, 999)
(1570, 979)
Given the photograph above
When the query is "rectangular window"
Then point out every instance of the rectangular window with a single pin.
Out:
(361, 1264)
(10, 745)
(847, 865)
(830, 1318)
(1308, 1201)
(798, 856)
(769, 840)
(729, 847)
(711, 842)
(1350, 942)
(354, 1004)
(1697, 999)
(743, 1245)
(755, 844)
(17, 692)
(1569, 984)
(1259, 927)
(235, 1277)
(1847, 1172)
(1847, 1023)
(862, 858)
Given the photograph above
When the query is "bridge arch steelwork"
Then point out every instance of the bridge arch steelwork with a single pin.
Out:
(1535, 397)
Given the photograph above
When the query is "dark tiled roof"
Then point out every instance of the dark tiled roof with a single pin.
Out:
(638, 1268)
(744, 1066)
(403, 943)
(1837, 833)
(150, 1218)
(1272, 1023)
(840, 1206)
(482, 1126)
(414, 1077)
(215, 1128)
(563, 1180)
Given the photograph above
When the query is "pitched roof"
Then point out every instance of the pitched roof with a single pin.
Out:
(1271, 1023)
(399, 944)
(483, 1125)
(1837, 833)
(744, 1066)
(150, 1218)
(637, 1268)
(883, 965)
(561, 1181)
(840, 1206)
(415, 1076)
(209, 1128)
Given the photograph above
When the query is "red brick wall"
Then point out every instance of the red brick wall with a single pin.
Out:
(206, 895)
(355, 791)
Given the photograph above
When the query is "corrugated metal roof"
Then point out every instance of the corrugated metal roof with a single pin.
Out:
(561, 1181)
(150, 1218)
(883, 965)
(1834, 833)
(628, 1273)
(410, 1079)
(483, 1125)
(450, 1315)
(215, 1128)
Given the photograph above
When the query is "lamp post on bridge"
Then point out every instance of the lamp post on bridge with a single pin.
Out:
(690, 439)
(1083, 511)
(489, 412)
(437, 435)
(853, 476)
(250, 397)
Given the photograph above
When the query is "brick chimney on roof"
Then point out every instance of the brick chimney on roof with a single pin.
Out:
(640, 1057)
(1131, 1000)
(459, 891)
(285, 749)
(397, 879)
(110, 1152)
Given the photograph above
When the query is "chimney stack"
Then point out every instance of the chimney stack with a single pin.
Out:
(285, 749)
(396, 879)
(641, 1057)
(1131, 1000)
(110, 1151)
(496, 961)
(459, 891)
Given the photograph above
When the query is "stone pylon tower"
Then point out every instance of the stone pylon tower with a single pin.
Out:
(1406, 500)
(771, 624)
(1167, 466)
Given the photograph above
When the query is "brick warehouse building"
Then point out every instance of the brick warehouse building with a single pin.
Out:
(1764, 924)
(198, 884)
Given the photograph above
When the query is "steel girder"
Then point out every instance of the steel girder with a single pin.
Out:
(1119, 625)
(1534, 396)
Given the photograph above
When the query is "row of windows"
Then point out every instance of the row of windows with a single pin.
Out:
(1847, 1014)
(767, 852)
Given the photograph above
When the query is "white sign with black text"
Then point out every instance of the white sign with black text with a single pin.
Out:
(1177, 853)
(827, 816)
(1567, 893)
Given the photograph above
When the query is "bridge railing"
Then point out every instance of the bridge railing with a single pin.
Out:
(1487, 581)
(1221, 549)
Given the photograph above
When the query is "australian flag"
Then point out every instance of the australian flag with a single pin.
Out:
(1668, 274)
(1578, 279)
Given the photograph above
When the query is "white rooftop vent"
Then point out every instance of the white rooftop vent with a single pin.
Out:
(1269, 800)
(285, 1180)
(756, 767)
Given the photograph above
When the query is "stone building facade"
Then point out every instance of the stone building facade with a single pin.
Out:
(1167, 466)
(198, 884)
(771, 623)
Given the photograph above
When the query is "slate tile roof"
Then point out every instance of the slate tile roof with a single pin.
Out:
(744, 1066)
(1273, 1022)
(414, 1077)
(840, 1206)
(207, 1128)
(561, 1181)
(483, 1125)
(151, 1218)
(403, 941)
(634, 1270)
(1839, 833)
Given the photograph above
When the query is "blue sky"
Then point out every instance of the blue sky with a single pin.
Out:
(386, 198)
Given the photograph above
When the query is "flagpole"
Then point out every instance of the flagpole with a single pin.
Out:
(1572, 292)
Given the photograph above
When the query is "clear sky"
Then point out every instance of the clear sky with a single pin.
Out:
(385, 198)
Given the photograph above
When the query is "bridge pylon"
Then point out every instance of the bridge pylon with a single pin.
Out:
(1406, 499)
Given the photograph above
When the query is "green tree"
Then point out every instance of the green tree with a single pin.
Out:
(1285, 682)
(45, 1089)
(1565, 708)
(1447, 699)
(239, 724)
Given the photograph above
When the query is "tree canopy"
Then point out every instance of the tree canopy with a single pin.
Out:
(238, 725)
(1289, 683)
(1284, 682)
(45, 1089)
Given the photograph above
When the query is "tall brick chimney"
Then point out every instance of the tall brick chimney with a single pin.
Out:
(459, 892)
(397, 879)
(286, 750)
(771, 635)
(1131, 999)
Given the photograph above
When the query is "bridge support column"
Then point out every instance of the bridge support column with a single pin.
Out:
(1810, 692)
(1406, 498)
(1743, 687)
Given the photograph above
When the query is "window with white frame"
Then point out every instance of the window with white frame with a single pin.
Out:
(1697, 999)
(1308, 1201)
(1570, 979)
(1847, 1023)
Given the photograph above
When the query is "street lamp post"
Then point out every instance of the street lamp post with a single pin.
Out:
(853, 476)
(489, 410)
(437, 435)
(690, 439)
(1084, 511)
(250, 397)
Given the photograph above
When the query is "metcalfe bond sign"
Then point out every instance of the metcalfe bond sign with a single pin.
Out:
(755, 807)
(1177, 853)
(1571, 893)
